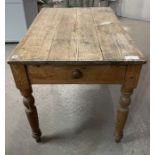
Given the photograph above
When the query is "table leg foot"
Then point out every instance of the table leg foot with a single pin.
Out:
(37, 138)
(118, 138)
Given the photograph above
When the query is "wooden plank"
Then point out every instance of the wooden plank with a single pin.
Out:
(63, 74)
(88, 45)
(64, 46)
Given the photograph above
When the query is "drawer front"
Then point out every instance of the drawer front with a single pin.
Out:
(76, 74)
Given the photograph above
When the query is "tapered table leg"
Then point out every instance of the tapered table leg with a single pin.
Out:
(31, 113)
(122, 113)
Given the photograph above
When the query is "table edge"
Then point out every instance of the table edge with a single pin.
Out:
(78, 62)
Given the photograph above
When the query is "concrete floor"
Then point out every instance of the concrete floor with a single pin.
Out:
(79, 119)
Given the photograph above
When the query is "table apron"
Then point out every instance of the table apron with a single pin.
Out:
(63, 74)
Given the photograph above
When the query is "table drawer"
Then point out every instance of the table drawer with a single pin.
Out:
(78, 74)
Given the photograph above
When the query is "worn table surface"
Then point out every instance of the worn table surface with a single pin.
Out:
(76, 35)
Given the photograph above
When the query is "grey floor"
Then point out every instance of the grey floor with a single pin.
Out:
(79, 119)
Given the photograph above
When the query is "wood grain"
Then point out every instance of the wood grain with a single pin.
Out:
(75, 36)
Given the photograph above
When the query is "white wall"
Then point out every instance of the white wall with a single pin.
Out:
(138, 9)
(19, 14)
(15, 23)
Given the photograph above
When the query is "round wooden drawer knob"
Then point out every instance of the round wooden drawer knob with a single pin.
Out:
(76, 74)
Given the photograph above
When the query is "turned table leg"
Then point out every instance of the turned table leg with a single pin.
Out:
(130, 82)
(31, 113)
(23, 84)
(122, 113)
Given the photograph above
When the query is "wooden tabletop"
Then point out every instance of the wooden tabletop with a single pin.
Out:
(76, 36)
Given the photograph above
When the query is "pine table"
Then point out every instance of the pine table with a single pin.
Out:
(76, 46)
